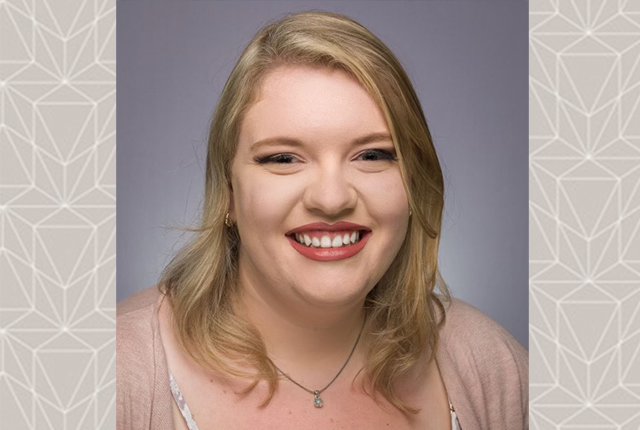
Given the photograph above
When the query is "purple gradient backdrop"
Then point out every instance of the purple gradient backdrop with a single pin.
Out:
(468, 62)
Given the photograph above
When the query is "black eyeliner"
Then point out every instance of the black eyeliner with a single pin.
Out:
(273, 158)
(383, 153)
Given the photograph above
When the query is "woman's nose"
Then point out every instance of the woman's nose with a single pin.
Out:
(329, 191)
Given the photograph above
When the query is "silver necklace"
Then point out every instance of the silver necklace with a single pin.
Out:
(317, 401)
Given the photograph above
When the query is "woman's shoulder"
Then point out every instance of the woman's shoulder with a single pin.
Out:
(485, 362)
(141, 300)
(136, 322)
(465, 321)
(136, 358)
(472, 335)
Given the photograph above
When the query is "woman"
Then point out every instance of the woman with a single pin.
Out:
(307, 299)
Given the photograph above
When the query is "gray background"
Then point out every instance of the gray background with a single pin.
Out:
(468, 62)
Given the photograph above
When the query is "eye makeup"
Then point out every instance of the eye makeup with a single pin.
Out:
(276, 159)
(377, 154)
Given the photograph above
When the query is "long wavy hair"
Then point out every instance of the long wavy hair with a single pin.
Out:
(201, 279)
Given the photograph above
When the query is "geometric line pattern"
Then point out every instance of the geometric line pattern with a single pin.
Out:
(57, 214)
(584, 214)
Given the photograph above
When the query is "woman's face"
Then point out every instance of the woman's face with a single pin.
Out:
(315, 148)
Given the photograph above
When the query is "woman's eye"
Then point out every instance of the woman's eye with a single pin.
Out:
(368, 155)
(277, 159)
(377, 154)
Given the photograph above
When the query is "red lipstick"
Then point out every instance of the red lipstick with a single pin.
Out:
(342, 225)
(329, 254)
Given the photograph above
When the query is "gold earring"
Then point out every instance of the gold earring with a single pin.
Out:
(410, 212)
(226, 220)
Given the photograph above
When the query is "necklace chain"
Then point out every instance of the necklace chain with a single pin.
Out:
(317, 392)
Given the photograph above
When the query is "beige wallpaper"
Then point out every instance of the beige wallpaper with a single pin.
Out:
(584, 213)
(57, 214)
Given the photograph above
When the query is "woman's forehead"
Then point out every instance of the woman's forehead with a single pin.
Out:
(311, 102)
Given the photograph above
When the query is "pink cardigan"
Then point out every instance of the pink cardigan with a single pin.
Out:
(485, 370)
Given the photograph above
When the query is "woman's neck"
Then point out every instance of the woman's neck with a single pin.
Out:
(308, 343)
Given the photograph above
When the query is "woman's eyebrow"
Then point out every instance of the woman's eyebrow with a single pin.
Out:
(283, 140)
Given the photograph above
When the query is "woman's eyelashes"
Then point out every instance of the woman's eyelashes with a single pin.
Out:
(277, 159)
(368, 155)
(377, 154)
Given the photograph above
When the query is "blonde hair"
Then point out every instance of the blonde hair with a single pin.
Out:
(200, 281)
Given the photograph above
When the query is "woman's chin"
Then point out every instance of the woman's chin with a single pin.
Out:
(331, 296)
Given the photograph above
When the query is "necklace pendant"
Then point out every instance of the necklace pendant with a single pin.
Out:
(317, 402)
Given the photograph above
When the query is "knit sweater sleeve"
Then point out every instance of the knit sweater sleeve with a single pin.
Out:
(135, 367)
(492, 368)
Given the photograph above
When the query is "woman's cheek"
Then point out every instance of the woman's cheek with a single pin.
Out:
(385, 195)
(267, 200)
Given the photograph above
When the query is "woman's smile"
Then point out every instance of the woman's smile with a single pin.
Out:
(322, 239)
(329, 246)
(324, 242)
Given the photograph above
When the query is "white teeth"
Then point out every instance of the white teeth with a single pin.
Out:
(326, 242)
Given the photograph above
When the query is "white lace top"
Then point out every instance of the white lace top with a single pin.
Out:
(191, 424)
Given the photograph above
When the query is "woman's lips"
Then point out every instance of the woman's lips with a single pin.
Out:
(342, 225)
(330, 254)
